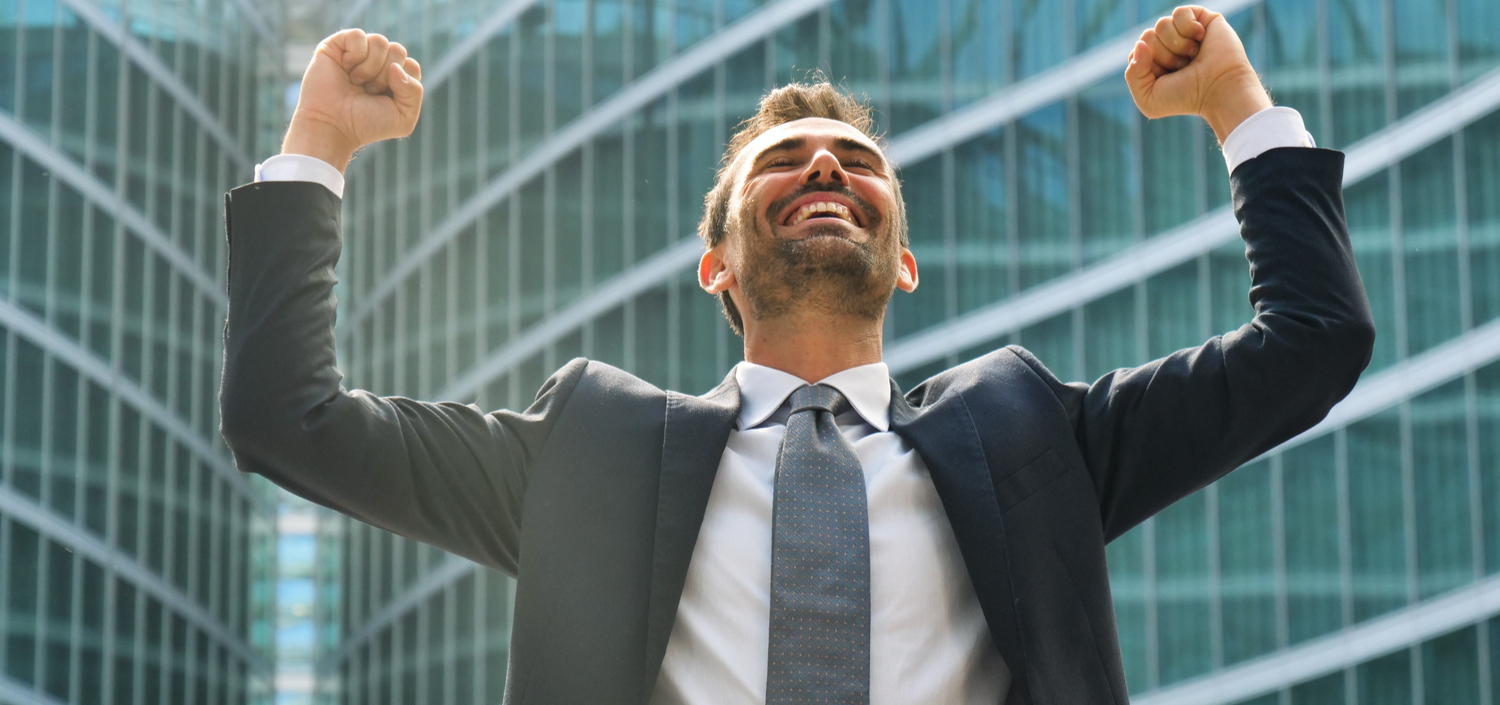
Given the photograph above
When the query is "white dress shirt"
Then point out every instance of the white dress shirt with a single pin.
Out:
(929, 642)
(1259, 133)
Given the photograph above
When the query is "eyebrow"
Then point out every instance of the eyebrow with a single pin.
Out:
(848, 144)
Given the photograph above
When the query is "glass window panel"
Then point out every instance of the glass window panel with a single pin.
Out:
(1368, 210)
(1043, 203)
(1247, 563)
(37, 66)
(1376, 508)
(1052, 343)
(1357, 77)
(1111, 335)
(21, 578)
(1487, 406)
(1109, 192)
(1440, 460)
(1422, 54)
(1328, 689)
(854, 49)
(982, 212)
(1482, 174)
(1182, 588)
(1450, 668)
(1478, 36)
(1170, 182)
(923, 187)
(1127, 582)
(1430, 241)
(916, 63)
(1037, 36)
(1291, 62)
(799, 49)
(1175, 310)
(1314, 584)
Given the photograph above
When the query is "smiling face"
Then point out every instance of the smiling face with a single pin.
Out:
(814, 224)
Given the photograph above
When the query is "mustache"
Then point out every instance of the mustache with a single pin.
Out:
(867, 212)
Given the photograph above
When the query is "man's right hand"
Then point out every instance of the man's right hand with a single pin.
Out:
(360, 88)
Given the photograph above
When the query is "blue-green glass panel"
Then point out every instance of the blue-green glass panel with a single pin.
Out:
(1314, 580)
(982, 212)
(1247, 563)
(1429, 238)
(1377, 516)
(1182, 588)
(1109, 193)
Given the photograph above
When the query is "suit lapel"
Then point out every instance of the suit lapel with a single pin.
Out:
(697, 429)
(944, 434)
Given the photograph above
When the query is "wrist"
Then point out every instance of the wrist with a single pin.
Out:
(311, 137)
(1240, 97)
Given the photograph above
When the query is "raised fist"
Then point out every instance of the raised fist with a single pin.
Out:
(1192, 63)
(360, 88)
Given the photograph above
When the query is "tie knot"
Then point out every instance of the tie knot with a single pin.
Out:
(819, 396)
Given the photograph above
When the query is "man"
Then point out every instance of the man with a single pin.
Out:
(804, 532)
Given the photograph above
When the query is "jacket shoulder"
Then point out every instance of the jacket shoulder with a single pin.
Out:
(1011, 370)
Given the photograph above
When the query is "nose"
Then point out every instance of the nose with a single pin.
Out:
(824, 167)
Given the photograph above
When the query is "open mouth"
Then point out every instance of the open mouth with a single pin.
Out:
(822, 209)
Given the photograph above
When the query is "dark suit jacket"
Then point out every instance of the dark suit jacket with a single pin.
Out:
(593, 496)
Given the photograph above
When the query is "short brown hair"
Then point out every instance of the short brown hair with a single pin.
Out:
(788, 103)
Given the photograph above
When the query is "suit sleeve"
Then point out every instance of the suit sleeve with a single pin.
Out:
(1154, 434)
(444, 474)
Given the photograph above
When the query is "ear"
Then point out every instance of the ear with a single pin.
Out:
(714, 274)
(906, 276)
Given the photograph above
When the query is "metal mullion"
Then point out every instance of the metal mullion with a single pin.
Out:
(419, 653)
(1346, 550)
(1278, 552)
(75, 631)
(239, 533)
(1409, 531)
(1278, 549)
(1476, 527)
(627, 160)
(481, 652)
(1153, 632)
(721, 130)
(1215, 577)
(674, 290)
(168, 553)
(950, 237)
(5, 540)
(549, 176)
(138, 650)
(450, 643)
(513, 215)
(481, 223)
(586, 171)
(406, 379)
(216, 607)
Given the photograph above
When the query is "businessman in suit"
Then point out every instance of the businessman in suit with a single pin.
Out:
(805, 532)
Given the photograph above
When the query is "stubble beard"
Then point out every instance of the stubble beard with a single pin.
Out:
(822, 273)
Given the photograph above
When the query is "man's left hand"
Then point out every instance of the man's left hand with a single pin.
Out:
(1192, 63)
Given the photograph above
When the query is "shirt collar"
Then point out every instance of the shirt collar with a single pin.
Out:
(764, 389)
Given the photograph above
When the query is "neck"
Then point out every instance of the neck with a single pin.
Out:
(812, 347)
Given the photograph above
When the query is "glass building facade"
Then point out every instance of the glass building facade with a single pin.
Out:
(545, 209)
(134, 558)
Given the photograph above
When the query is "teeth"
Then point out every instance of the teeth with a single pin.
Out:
(812, 209)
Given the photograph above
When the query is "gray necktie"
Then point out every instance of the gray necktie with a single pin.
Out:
(820, 561)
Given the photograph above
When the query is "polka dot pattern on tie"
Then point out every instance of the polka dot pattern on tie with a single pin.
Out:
(820, 561)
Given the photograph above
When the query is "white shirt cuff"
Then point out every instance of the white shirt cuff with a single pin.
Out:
(1265, 131)
(300, 167)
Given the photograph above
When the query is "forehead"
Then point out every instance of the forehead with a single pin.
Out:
(813, 129)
